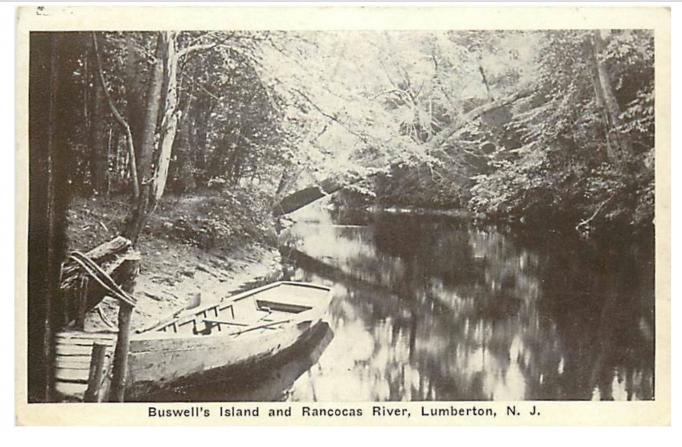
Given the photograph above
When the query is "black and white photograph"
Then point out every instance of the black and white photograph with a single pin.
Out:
(341, 216)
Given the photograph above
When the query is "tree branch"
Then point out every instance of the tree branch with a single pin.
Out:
(585, 223)
(194, 48)
(363, 138)
(477, 112)
(119, 118)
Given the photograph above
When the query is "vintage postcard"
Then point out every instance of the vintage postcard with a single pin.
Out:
(274, 215)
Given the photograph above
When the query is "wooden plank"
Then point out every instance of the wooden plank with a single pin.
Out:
(72, 375)
(72, 352)
(178, 344)
(230, 323)
(69, 335)
(81, 342)
(68, 350)
(70, 391)
(284, 307)
(77, 362)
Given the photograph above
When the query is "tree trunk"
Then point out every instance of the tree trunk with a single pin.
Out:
(183, 165)
(233, 164)
(109, 146)
(88, 104)
(619, 146)
(142, 207)
(201, 139)
(459, 122)
(97, 140)
(301, 198)
(135, 95)
(165, 74)
(599, 99)
(151, 115)
(132, 158)
(48, 196)
(169, 123)
(116, 176)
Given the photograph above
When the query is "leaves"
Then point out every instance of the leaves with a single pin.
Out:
(281, 110)
(559, 164)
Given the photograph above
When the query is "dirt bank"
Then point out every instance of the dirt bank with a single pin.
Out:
(181, 255)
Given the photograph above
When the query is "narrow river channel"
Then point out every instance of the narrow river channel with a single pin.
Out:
(436, 308)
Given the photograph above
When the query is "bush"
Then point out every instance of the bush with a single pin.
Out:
(218, 220)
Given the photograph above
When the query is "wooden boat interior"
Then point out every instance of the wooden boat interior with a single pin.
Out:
(261, 310)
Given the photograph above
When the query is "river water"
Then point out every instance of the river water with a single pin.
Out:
(435, 308)
(439, 309)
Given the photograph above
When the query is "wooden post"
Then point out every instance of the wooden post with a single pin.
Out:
(82, 303)
(118, 380)
(125, 311)
(99, 353)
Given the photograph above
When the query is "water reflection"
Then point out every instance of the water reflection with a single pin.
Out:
(437, 309)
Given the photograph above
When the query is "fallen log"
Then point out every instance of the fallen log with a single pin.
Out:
(116, 257)
(101, 254)
(301, 198)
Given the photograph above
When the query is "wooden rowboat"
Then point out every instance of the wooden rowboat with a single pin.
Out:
(241, 330)
(266, 381)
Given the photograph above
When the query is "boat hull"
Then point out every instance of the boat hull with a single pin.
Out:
(158, 360)
(266, 380)
(202, 343)
(158, 364)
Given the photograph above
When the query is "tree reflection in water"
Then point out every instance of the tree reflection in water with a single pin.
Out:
(437, 309)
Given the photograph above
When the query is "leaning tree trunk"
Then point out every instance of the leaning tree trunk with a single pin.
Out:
(303, 197)
(151, 190)
(151, 115)
(619, 146)
(141, 209)
(169, 123)
(135, 93)
(599, 98)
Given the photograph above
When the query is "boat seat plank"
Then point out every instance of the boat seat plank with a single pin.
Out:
(270, 306)
(229, 323)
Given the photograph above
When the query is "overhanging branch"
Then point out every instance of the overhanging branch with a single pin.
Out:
(476, 113)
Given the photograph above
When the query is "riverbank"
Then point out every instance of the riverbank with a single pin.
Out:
(213, 245)
(570, 224)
